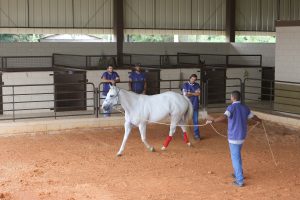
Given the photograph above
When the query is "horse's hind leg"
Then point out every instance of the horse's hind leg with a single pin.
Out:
(171, 133)
(128, 127)
(184, 130)
(142, 128)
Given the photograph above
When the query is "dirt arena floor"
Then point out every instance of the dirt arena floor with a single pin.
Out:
(81, 164)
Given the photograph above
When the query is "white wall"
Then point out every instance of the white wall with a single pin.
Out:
(266, 50)
(288, 54)
(47, 49)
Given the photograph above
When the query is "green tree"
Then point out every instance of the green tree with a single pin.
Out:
(20, 37)
(150, 38)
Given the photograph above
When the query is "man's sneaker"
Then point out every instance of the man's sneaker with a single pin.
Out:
(197, 138)
(238, 184)
(233, 176)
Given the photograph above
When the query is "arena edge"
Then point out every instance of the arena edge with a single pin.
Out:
(51, 126)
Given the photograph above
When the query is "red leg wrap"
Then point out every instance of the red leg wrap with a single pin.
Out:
(167, 141)
(185, 137)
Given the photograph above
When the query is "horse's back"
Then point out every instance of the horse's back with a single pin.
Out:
(169, 102)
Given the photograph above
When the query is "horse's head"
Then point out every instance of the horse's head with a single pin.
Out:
(111, 99)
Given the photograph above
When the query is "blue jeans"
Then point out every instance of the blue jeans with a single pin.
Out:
(196, 123)
(236, 158)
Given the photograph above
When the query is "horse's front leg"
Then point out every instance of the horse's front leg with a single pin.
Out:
(142, 128)
(127, 127)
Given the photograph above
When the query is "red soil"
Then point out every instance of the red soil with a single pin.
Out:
(81, 164)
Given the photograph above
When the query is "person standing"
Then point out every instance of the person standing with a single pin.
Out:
(110, 77)
(237, 115)
(137, 80)
(192, 90)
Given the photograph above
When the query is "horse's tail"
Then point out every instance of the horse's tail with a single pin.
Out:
(188, 117)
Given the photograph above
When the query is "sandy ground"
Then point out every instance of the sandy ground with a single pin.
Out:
(81, 164)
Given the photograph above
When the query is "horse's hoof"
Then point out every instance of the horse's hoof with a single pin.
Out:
(151, 149)
(163, 148)
(189, 144)
(119, 154)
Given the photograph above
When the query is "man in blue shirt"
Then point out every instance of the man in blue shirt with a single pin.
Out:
(137, 80)
(110, 77)
(192, 90)
(237, 115)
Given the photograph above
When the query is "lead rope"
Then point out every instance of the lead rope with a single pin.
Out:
(217, 132)
(268, 140)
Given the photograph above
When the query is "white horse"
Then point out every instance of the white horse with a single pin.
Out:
(143, 109)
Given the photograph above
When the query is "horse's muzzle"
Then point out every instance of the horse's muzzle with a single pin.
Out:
(106, 107)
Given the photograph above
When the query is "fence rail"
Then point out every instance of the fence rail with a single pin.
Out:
(46, 101)
(53, 100)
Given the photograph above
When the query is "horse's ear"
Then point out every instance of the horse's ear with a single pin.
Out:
(110, 86)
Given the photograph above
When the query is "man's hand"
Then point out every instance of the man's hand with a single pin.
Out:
(209, 122)
(113, 82)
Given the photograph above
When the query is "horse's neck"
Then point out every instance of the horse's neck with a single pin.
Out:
(127, 100)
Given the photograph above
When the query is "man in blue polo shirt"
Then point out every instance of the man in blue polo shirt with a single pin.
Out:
(237, 115)
(137, 80)
(192, 90)
(110, 77)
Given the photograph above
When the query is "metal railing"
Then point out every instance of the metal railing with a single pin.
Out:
(26, 63)
(54, 100)
(85, 62)
(45, 101)
(259, 93)
(194, 60)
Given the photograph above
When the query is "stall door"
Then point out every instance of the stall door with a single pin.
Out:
(267, 84)
(153, 81)
(216, 78)
(70, 90)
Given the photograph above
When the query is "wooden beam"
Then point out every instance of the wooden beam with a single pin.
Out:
(119, 29)
(287, 23)
(230, 20)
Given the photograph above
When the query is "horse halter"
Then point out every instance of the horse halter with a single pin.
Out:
(117, 95)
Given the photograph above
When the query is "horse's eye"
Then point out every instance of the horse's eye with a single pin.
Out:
(111, 95)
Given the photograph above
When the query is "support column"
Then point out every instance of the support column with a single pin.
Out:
(119, 29)
(230, 20)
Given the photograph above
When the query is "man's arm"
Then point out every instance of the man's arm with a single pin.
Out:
(117, 79)
(196, 93)
(106, 80)
(222, 118)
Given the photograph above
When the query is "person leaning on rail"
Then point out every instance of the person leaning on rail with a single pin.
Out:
(237, 115)
(110, 77)
(137, 80)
